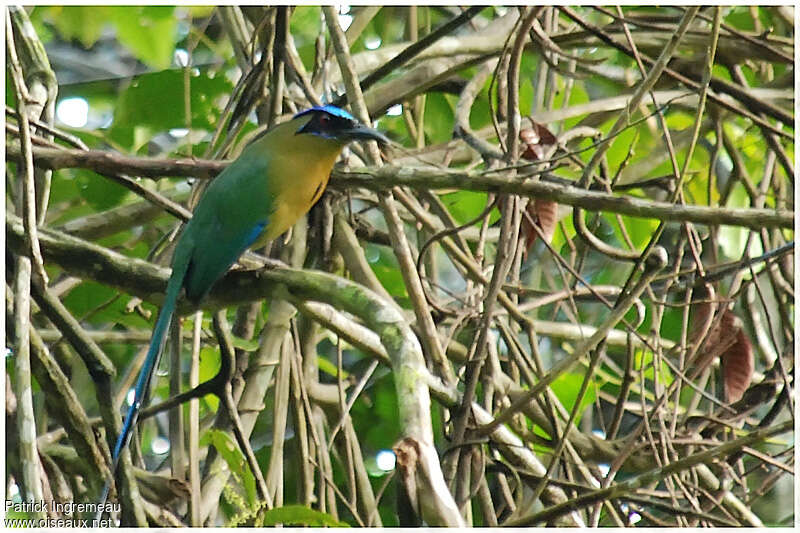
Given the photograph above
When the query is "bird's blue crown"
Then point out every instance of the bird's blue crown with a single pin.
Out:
(333, 110)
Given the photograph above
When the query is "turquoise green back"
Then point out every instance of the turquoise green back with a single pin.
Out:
(262, 193)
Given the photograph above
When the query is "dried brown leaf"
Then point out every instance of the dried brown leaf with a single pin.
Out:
(737, 367)
(702, 314)
(539, 143)
(720, 337)
(541, 212)
(724, 338)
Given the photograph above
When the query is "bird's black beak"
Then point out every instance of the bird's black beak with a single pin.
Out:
(363, 133)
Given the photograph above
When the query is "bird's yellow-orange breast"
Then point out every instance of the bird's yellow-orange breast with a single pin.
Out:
(299, 168)
(295, 196)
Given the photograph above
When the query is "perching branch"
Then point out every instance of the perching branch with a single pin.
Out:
(436, 178)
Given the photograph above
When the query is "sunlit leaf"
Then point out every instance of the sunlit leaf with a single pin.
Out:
(299, 515)
(229, 450)
(644, 359)
(464, 205)
(439, 118)
(155, 103)
(566, 388)
(84, 23)
(148, 31)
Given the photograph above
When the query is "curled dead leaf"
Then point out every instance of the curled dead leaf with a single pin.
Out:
(737, 367)
(541, 212)
(539, 144)
(719, 338)
(702, 314)
(722, 337)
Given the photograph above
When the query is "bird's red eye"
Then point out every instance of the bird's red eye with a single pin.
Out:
(324, 119)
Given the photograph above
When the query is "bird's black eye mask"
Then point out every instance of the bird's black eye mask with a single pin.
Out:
(326, 125)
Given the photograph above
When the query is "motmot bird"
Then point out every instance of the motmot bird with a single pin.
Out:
(277, 178)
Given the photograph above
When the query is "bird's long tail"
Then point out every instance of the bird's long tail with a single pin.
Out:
(157, 342)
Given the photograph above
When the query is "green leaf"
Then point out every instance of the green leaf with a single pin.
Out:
(155, 102)
(620, 148)
(640, 230)
(560, 238)
(329, 368)
(480, 114)
(566, 389)
(732, 239)
(229, 451)
(148, 31)
(86, 297)
(201, 11)
(577, 95)
(388, 272)
(299, 515)
(84, 23)
(644, 359)
(377, 409)
(740, 18)
(209, 366)
(525, 96)
(100, 192)
(439, 118)
(464, 205)
(304, 26)
(244, 344)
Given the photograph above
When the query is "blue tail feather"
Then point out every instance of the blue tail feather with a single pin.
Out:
(157, 342)
(145, 376)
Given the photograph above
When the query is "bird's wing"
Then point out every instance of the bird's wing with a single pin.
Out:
(222, 244)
